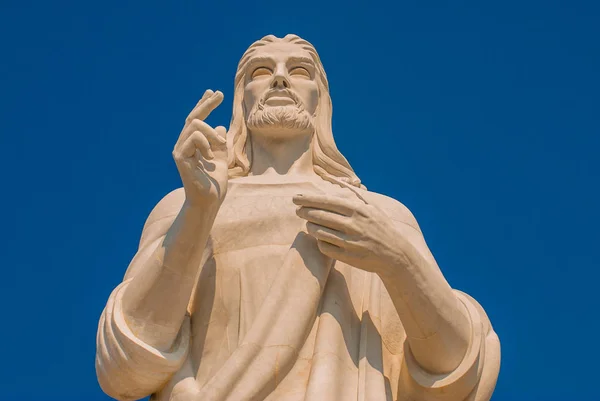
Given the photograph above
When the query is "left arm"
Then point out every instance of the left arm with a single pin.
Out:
(437, 325)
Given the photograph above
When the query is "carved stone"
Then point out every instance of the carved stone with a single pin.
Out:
(274, 274)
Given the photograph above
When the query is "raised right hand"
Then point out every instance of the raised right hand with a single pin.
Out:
(201, 155)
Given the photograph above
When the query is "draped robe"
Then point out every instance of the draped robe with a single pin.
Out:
(271, 318)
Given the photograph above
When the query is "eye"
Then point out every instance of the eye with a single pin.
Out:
(300, 72)
(261, 72)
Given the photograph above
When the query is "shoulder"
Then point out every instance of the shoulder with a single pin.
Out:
(162, 215)
(393, 208)
(170, 204)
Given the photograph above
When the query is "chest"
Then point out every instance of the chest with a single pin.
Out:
(254, 217)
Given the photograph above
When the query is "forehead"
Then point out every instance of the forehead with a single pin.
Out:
(281, 51)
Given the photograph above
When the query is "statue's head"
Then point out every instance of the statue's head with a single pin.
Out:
(281, 92)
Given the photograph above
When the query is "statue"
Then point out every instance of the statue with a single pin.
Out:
(273, 274)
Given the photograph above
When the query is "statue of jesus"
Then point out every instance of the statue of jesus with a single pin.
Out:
(273, 274)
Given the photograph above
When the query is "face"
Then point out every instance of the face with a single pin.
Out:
(281, 92)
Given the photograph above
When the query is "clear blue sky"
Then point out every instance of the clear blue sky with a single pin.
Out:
(482, 117)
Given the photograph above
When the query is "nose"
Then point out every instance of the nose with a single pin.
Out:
(280, 80)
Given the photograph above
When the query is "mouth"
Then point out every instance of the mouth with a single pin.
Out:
(280, 98)
(279, 101)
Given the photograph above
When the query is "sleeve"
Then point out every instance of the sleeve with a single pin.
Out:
(127, 368)
(473, 380)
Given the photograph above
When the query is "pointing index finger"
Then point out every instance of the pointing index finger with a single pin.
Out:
(206, 105)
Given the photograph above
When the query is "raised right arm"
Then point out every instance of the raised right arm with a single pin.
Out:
(143, 335)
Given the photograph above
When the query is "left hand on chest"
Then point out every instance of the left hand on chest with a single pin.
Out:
(353, 232)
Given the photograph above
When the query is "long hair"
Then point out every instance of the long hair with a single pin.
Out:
(327, 159)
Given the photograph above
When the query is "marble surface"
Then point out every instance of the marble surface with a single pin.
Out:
(274, 274)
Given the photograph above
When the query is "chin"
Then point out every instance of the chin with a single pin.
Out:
(281, 134)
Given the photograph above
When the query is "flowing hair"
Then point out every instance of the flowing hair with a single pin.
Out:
(328, 162)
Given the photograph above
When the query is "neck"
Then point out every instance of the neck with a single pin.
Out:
(282, 157)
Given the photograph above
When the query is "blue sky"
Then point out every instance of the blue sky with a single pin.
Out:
(481, 117)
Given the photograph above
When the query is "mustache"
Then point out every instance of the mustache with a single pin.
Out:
(282, 92)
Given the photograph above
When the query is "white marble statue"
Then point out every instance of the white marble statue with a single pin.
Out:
(273, 274)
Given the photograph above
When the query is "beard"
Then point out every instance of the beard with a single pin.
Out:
(288, 118)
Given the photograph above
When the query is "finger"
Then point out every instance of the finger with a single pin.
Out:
(333, 251)
(325, 218)
(197, 141)
(207, 93)
(326, 234)
(206, 106)
(334, 204)
(222, 131)
(211, 134)
(221, 149)
(337, 181)
(198, 125)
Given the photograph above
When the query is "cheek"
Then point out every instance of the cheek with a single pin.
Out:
(252, 93)
(249, 99)
(310, 96)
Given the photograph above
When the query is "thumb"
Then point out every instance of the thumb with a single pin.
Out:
(222, 131)
(221, 147)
